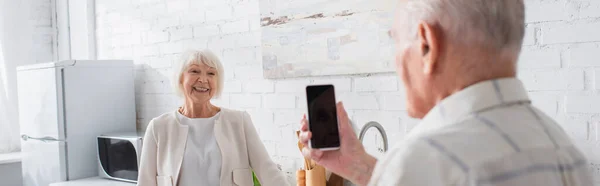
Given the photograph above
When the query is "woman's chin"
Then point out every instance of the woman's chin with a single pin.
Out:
(200, 98)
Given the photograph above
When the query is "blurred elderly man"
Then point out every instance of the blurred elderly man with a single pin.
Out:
(457, 59)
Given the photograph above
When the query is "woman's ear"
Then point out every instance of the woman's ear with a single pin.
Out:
(429, 39)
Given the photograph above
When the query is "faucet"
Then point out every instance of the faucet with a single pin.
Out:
(381, 131)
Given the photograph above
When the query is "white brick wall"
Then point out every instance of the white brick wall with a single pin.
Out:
(376, 84)
(578, 127)
(529, 36)
(181, 34)
(245, 101)
(279, 101)
(584, 56)
(579, 31)
(221, 12)
(291, 86)
(582, 104)
(539, 11)
(340, 84)
(597, 79)
(233, 86)
(539, 58)
(171, 48)
(241, 56)
(559, 66)
(41, 20)
(177, 5)
(206, 30)
(547, 103)
(392, 101)
(259, 86)
(156, 36)
(235, 27)
(553, 79)
(589, 9)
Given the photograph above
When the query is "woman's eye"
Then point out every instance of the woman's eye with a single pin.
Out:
(194, 71)
(211, 73)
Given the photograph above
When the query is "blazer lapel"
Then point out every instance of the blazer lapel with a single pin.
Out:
(180, 150)
(221, 142)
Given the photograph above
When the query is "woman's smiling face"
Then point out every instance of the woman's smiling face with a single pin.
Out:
(199, 83)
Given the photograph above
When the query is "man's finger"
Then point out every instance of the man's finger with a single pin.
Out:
(304, 124)
(342, 117)
(313, 154)
(305, 136)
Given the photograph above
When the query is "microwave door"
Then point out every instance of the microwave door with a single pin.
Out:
(118, 159)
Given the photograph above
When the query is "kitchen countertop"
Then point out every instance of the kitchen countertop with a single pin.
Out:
(94, 181)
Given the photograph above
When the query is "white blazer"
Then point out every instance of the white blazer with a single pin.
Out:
(241, 149)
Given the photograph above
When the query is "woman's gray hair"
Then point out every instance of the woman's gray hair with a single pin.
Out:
(188, 58)
(494, 24)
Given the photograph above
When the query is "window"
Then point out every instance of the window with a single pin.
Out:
(9, 141)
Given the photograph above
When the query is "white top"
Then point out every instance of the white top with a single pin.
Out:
(202, 157)
(488, 134)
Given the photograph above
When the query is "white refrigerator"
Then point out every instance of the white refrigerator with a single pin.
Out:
(63, 107)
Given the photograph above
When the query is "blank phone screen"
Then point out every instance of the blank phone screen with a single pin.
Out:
(322, 117)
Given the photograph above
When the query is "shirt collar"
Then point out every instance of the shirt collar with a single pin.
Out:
(475, 98)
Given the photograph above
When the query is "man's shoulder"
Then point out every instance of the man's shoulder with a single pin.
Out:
(451, 145)
(406, 162)
(424, 149)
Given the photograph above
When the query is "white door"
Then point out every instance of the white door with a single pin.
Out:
(40, 119)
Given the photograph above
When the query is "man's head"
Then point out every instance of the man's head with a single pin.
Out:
(445, 45)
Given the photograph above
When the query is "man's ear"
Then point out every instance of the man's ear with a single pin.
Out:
(429, 39)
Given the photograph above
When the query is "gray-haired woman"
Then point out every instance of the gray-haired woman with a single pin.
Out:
(200, 143)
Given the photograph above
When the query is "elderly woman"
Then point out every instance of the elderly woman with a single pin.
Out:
(200, 143)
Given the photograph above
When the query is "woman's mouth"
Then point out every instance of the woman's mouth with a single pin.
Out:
(201, 89)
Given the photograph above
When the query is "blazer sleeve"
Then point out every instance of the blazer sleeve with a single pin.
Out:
(147, 170)
(266, 170)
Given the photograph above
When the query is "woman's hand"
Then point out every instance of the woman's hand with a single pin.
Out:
(351, 161)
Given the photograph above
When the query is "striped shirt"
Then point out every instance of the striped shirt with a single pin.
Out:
(488, 134)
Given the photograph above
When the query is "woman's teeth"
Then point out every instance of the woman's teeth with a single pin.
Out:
(200, 89)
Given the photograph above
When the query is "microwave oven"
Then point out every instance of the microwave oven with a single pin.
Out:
(119, 156)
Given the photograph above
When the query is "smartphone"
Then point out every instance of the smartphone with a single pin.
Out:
(322, 117)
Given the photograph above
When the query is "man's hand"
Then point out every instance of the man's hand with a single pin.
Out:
(351, 161)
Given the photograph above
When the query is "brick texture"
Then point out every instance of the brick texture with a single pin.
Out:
(559, 66)
(570, 32)
(583, 56)
(597, 79)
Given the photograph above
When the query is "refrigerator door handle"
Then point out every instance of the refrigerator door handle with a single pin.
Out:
(43, 139)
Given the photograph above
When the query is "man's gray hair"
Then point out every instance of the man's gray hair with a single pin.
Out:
(492, 24)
